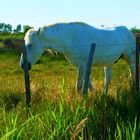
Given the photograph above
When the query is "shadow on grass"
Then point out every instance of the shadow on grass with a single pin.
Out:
(10, 100)
(112, 118)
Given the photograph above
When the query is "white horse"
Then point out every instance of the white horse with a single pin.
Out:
(74, 41)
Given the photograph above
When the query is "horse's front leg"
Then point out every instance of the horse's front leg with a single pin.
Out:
(108, 77)
(91, 87)
(80, 79)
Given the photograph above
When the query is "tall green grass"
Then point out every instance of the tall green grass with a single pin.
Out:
(68, 117)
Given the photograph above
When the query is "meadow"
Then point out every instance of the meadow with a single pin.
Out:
(57, 111)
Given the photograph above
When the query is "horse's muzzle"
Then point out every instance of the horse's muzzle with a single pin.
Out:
(26, 66)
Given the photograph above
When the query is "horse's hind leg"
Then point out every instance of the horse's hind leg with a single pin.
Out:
(132, 71)
(108, 77)
(131, 62)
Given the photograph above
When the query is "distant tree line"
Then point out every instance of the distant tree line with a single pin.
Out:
(135, 30)
(7, 28)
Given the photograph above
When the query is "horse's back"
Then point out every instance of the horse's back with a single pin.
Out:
(79, 32)
(78, 37)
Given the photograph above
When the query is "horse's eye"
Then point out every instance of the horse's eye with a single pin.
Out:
(29, 46)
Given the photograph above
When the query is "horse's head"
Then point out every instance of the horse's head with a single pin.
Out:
(34, 47)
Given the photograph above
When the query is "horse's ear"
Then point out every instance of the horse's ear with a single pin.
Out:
(38, 32)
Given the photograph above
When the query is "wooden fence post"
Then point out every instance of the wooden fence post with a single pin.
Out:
(137, 65)
(88, 69)
(27, 78)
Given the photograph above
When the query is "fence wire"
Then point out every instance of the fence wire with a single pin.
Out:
(96, 78)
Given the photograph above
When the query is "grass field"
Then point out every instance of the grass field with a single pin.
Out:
(57, 111)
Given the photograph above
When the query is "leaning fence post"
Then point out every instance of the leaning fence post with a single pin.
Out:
(88, 68)
(27, 78)
(137, 65)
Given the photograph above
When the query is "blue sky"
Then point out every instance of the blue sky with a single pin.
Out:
(93, 12)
